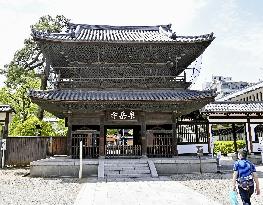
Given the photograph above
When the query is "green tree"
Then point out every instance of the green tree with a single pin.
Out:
(28, 70)
(18, 98)
(33, 127)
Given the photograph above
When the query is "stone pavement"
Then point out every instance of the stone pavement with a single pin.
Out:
(145, 191)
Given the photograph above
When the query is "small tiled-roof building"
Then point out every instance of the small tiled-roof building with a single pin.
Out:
(120, 76)
(244, 106)
(5, 117)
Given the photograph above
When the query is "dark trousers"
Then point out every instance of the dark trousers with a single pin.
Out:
(246, 194)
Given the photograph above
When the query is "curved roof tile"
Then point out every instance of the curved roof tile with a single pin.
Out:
(125, 95)
(234, 107)
(103, 33)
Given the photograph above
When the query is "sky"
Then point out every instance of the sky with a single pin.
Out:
(236, 52)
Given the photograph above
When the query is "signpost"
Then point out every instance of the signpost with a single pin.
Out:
(212, 141)
(199, 153)
(80, 159)
(3, 148)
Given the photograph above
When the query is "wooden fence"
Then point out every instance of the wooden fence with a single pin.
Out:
(240, 136)
(159, 143)
(23, 150)
(112, 151)
(192, 133)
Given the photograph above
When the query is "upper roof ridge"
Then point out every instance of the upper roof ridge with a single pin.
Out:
(73, 26)
(158, 33)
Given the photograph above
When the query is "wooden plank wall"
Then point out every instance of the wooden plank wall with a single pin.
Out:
(57, 146)
(23, 150)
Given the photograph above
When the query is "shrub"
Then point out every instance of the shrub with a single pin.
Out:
(33, 127)
(226, 147)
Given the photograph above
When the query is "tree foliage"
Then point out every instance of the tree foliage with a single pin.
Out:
(33, 127)
(22, 74)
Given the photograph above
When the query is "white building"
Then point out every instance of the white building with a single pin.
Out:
(244, 106)
(249, 93)
(224, 85)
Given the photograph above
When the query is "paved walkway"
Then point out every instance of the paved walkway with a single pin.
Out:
(139, 192)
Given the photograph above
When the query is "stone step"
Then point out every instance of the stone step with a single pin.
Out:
(127, 175)
(125, 161)
(125, 168)
(128, 172)
(126, 165)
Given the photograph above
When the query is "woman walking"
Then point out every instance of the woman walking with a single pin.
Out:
(245, 175)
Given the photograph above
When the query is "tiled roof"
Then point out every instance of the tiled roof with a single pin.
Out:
(241, 92)
(234, 107)
(5, 108)
(106, 33)
(138, 95)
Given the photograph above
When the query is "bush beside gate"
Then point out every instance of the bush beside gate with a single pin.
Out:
(226, 147)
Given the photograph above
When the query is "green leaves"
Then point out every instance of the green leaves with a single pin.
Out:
(22, 74)
(50, 24)
(33, 127)
(226, 147)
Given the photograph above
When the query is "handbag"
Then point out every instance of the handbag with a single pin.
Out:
(233, 197)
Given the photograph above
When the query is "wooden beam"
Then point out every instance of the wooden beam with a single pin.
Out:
(209, 135)
(174, 135)
(5, 134)
(143, 134)
(249, 137)
(234, 137)
(102, 136)
(69, 134)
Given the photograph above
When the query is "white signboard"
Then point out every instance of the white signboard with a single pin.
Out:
(212, 141)
(123, 115)
(3, 144)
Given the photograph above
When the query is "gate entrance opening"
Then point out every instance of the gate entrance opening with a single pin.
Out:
(122, 141)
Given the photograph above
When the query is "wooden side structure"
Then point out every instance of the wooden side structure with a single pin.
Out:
(238, 113)
(23, 150)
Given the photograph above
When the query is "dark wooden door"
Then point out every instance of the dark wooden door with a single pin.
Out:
(90, 140)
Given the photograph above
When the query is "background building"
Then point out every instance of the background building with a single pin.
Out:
(249, 93)
(224, 85)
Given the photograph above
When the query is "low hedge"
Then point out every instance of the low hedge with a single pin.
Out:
(226, 147)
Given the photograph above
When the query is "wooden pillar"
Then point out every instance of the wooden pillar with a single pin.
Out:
(209, 137)
(196, 133)
(69, 142)
(174, 135)
(102, 136)
(249, 141)
(234, 137)
(143, 135)
(5, 133)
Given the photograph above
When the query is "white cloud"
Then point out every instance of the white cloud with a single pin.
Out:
(237, 51)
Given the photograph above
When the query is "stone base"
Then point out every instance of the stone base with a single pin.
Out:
(255, 159)
(183, 165)
(65, 167)
(57, 167)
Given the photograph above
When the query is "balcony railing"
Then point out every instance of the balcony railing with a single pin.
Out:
(153, 82)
